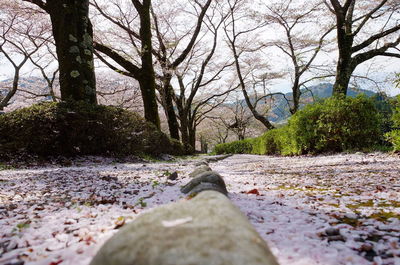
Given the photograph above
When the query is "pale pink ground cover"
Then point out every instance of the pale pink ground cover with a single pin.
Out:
(63, 215)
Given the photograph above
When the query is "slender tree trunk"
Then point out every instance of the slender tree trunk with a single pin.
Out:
(204, 145)
(73, 36)
(11, 93)
(168, 104)
(296, 95)
(344, 70)
(149, 102)
(185, 132)
(192, 137)
(184, 129)
(342, 81)
(147, 77)
(344, 67)
(256, 114)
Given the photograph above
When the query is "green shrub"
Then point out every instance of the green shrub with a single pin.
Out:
(258, 146)
(236, 147)
(394, 136)
(333, 125)
(267, 144)
(336, 124)
(396, 114)
(264, 145)
(77, 128)
(385, 106)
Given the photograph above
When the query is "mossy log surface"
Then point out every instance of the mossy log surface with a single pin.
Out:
(207, 229)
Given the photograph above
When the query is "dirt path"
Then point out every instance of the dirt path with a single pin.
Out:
(341, 209)
(295, 202)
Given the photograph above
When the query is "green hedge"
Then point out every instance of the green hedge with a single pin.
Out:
(333, 125)
(77, 128)
(394, 136)
(267, 144)
(237, 147)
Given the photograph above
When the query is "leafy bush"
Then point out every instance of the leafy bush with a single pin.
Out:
(336, 124)
(268, 143)
(77, 128)
(237, 147)
(394, 136)
(333, 125)
(385, 106)
(265, 144)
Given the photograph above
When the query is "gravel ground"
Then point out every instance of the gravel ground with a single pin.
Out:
(339, 209)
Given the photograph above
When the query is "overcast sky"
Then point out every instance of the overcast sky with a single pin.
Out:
(378, 69)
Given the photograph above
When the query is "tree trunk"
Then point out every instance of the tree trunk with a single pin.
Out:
(257, 116)
(73, 36)
(296, 95)
(168, 104)
(344, 67)
(185, 132)
(343, 74)
(184, 129)
(192, 137)
(149, 101)
(204, 145)
(147, 82)
(345, 43)
(4, 101)
(147, 78)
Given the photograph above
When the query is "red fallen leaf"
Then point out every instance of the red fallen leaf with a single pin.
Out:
(253, 191)
(88, 239)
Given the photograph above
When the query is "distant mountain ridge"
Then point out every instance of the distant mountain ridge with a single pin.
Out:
(280, 110)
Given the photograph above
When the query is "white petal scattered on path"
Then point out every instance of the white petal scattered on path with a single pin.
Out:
(339, 209)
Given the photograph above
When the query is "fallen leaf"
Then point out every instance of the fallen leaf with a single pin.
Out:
(119, 222)
(254, 191)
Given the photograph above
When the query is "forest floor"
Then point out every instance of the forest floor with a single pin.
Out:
(337, 209)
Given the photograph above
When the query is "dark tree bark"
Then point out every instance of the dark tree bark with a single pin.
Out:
(192, 114)
(146, 78)
(192, 136)
(188, 111)
(186, 122)
(350, 54)
(166, 91)
(73, 35)
(145, 73)
(264, 120)
(232, 38)
(184, 128)
(167, 94)
(5, 100)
